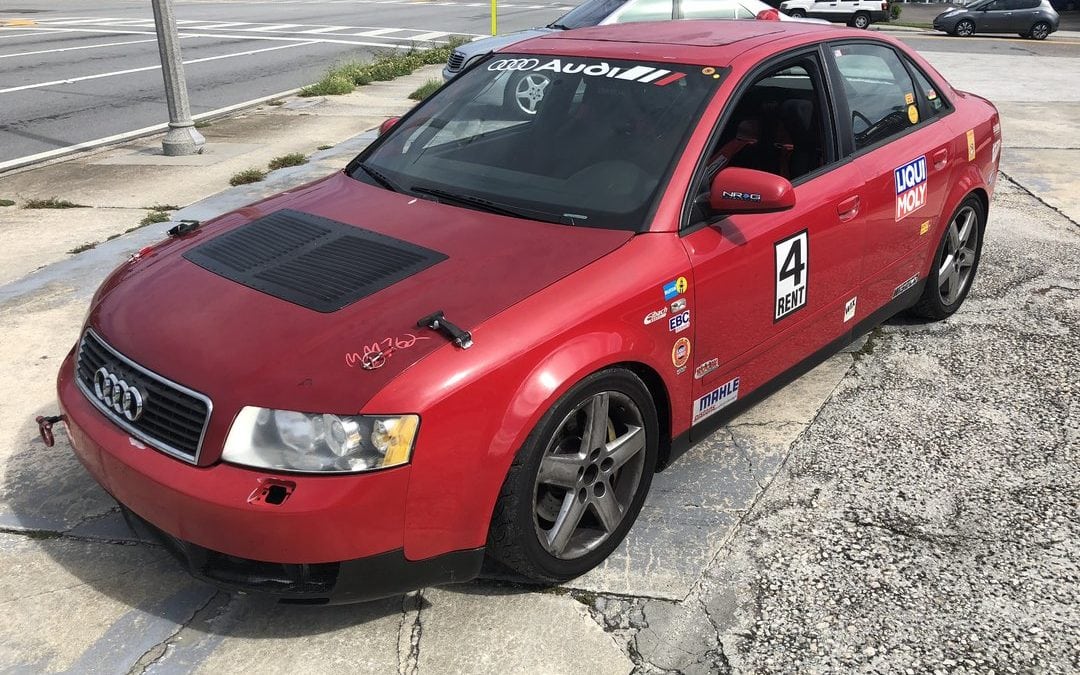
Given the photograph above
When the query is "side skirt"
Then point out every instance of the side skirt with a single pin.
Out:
(683, 442)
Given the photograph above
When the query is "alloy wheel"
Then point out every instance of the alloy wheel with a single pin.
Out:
(958, 255)
(589, 475)
(529, 92)
(965, 29)
(1040, 30)
(861, 21)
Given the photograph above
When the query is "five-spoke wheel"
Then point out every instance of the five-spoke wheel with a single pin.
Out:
(956, 261)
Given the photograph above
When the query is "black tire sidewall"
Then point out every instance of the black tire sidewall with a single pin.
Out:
(930, 305)
(543, 564)
(862, 16)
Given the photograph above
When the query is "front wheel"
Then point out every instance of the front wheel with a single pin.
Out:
(955, 264)
(578, 483)
(965, 28)
(861, 20)
(797, 14)
(1040, 31)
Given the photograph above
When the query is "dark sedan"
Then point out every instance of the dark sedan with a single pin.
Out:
(1028, 18)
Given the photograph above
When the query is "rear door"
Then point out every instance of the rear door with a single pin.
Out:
(893, 128)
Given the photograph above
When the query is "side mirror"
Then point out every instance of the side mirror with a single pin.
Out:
(769, 14)
(738, 190)
(388, 124)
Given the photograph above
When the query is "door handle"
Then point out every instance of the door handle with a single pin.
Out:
(849, 208)
(941, 158)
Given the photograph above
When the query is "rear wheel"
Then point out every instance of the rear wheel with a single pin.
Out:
(861, 20)
(797, 14)
(965, 28)
(577, 485)
(1040, 31)
(955, 264)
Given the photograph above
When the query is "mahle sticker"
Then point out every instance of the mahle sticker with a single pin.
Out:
(792, 275)
(716, 400)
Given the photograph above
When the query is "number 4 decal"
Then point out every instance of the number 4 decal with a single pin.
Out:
(792, 275)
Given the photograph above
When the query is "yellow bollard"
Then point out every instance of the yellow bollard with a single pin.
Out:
(494, 18)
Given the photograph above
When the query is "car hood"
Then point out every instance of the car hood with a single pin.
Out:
(243, 346)
(497, 42)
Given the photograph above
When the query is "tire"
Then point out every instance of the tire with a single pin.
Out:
(524, 93)
(937, 302)
(797, 14)
(1040, 31)
(525, 535)
(861, 20)
(965, 28)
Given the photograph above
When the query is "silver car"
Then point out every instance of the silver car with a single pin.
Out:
(1028, 18)
(528, 90)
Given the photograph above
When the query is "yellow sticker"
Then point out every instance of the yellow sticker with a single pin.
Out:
(909, 98)
(680, 352)
(913, 114)
(680, 284)
(971, 145)
(924, 228)
(708, 70)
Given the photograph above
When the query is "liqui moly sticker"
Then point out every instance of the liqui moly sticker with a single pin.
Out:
(716, 400)
(910, 187)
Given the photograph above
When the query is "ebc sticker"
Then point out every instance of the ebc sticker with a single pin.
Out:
(716, 400)
(910, 187)
(643, 74)
(792, 275)
(679, 322)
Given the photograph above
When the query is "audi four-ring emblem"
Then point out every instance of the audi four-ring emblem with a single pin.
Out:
(125, 399)
(514, 64)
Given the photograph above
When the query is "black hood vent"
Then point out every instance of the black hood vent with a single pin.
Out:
(311, 261)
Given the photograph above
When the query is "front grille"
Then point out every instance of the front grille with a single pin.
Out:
(456, 60)
(173, 419)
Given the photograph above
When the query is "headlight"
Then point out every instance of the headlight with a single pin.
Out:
(293, 441)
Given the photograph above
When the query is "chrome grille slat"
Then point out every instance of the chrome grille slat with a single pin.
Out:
(456, 60)
(174, 418)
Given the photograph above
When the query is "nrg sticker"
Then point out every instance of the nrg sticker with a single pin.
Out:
(792, 275)
(716, 400)
(910, 187)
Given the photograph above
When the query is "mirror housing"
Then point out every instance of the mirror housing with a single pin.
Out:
(388, 124)
(769, 14)
(738, 190)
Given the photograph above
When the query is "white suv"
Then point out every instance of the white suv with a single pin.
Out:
(857, 13)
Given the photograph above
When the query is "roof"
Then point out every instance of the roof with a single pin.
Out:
(713, 42)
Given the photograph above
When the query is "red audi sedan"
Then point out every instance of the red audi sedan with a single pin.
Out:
(487, 333)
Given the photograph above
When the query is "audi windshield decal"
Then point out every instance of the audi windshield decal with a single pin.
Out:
(635, 73)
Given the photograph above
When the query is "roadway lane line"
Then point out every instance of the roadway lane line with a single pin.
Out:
(276, 27)
(327, 29)
(187, 32)
(424, 37)
(128, 135)
(157, 67)
(28, 32)
(72, 49)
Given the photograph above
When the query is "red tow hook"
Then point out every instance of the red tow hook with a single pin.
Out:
(45, 425)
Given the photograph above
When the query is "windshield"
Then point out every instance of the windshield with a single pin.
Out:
(574, 140)
(589, 13)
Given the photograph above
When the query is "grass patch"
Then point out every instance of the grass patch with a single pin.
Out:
(202, 124)
(291, 159)
(247, 176)
(425, 90)
(912, 24)
(83, 247)
(345, 77)
(7, 202)
(51, 203)
(324, 147)
(127, 231)
(154, 217)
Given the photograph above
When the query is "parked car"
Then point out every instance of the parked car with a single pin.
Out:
(604, 12)
(857, 13)
(1029, 18)
(486, 334)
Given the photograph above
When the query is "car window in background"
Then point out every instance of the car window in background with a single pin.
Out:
(589, 13)
(933, 98)
(643, 10)
(880, 93)
(708, 9)
(595, 150)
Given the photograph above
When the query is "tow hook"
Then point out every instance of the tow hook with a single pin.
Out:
(45, 425)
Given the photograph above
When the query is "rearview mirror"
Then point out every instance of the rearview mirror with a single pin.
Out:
(739, 190)
(388, 124)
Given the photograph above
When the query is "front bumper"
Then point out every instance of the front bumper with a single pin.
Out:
(215, 515)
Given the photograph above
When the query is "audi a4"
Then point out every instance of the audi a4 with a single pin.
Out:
(484, 336)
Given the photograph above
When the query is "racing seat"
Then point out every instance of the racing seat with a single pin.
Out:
(802, 144)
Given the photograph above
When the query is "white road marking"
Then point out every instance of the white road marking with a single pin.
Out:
(377, 32)
(327, 29)
(424, 37)
(261, 36)
(145, 68)
(127, 135)
(72, 49)
(275, 27)
(32, 31)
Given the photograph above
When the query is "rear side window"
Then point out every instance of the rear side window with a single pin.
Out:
(879, 90)
(934, 101)
(1025, 4)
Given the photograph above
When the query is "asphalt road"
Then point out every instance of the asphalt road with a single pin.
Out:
(89, 70)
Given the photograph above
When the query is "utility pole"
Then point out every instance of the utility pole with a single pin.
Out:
(182, 138)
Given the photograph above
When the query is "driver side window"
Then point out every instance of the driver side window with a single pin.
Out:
(880, 94)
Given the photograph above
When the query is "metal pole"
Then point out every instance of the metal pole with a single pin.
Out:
(182, 138)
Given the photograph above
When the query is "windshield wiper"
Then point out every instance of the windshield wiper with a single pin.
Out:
(380, 178)
(558, 26)
(472, 202)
